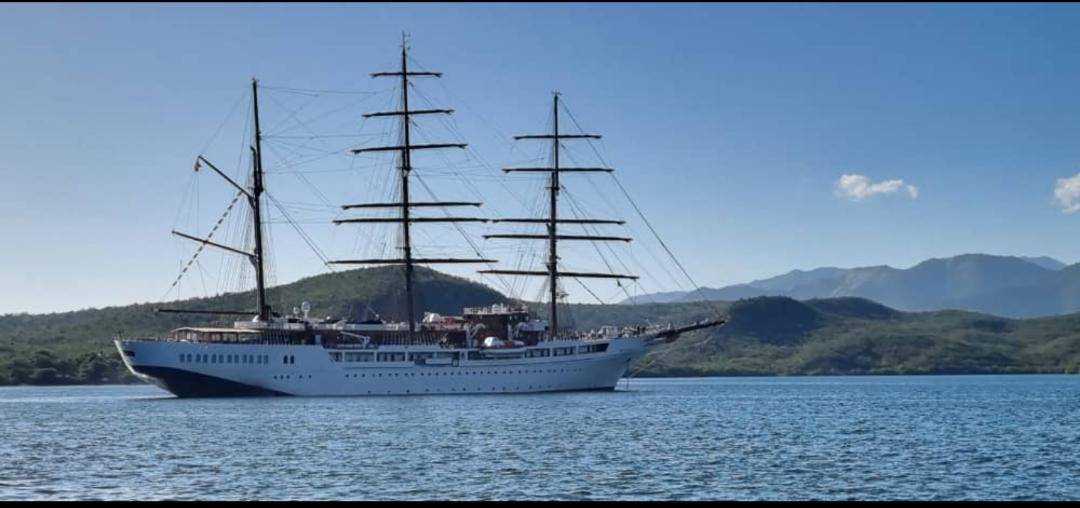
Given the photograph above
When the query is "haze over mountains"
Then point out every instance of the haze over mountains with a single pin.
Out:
(1008, 286)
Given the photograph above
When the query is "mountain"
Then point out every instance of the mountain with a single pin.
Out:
(1009, 286)
(727, 293)
(1045, 261)
(764, 335)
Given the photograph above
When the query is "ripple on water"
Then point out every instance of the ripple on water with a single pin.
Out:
(948, 437)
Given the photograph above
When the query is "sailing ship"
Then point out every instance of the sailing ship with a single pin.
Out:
(500, 348)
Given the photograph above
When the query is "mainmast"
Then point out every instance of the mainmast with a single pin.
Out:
(553, 216)
(406, 204)
(553, 220)
(406, 167)
(256, 206)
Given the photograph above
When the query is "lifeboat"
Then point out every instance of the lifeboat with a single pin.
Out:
(494, 347)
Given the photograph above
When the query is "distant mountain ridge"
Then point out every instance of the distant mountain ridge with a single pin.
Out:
(1045, 261)
(1009, 286)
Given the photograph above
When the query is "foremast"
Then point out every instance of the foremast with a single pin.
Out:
(405, 204)
(552, 221)
(254, 198)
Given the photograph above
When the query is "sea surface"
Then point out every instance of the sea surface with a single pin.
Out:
(903, 437)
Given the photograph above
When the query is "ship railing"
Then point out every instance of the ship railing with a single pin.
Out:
(614, 333)
(494, 309)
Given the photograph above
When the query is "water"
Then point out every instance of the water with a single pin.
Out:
(946, 437)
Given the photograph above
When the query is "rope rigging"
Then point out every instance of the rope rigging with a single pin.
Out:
(645, 220)
(302, 147)
(307, 239)
(203, 245)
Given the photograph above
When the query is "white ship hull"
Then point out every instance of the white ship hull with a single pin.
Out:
(194, 369)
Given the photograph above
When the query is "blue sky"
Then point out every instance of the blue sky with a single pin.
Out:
(731, 125)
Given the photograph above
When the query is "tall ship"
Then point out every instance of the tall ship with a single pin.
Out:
(493, 349)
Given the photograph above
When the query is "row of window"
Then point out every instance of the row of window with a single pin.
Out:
(225, 358)
(427, 374)
(367, 356)
(193, 336)
(462, 373)
(231, 358)
(352, 357)
(544, 352)
(382, 357)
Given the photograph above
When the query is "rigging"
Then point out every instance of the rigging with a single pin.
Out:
(404, 205)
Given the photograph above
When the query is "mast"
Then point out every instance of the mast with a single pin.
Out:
(254, 198)
(405, 204)
(553, 265)
(256, 206)
(553, 220)
(406, 167)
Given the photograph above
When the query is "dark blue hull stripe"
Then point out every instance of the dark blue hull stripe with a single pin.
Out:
(184, 383)
(187, 384)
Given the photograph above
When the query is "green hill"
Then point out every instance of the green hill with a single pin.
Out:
(765, 335)
(782, 336)
(76, 347)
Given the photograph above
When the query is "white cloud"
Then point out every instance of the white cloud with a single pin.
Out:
(912, 191)
(1067, 193)
(859, 187)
